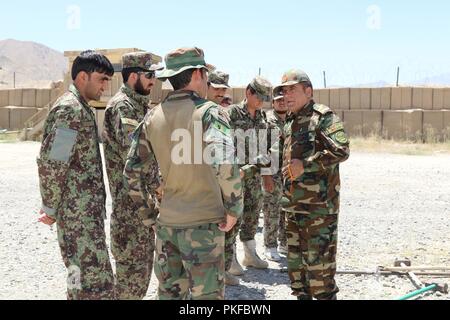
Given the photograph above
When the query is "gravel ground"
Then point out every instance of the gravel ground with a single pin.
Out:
(392, 206)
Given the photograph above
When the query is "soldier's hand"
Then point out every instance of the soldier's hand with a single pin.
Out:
(45, 219)
(294, 170)
(242, 173)
(269, 184)
(228, 224)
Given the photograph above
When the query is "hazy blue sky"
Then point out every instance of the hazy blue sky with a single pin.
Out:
(356, 42)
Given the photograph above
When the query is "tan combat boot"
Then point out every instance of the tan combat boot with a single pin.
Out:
(231, 280)
(235, 269)
(251, 257)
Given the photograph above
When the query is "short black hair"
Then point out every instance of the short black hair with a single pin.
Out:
(181, 80)
(128, 71)
(91, 61)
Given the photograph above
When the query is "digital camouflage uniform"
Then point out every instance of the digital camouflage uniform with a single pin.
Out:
(189, 246)
(316, 136)
(274, 217)
(73, 193)
(240, 119)
(132, 243)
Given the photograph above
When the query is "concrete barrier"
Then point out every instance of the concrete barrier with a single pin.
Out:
(334, 99)
(4, 118)
(325, 97)
(355, 99)
(438, 98)
(422, 98)
(28, 98)
(372, 122)
(365, 98)
(406, 98)
(344, 99)
(353, 122)
(239, 94)
(434, 125)
(15, 97)
(376, 99)
(4, 98)
(19, 115)
(446, 104)
(407, 124)
(42, 97)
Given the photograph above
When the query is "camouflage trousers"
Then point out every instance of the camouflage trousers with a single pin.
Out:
(247, 226)
(190, 263)
(133, 246)
(274, 216)
(82, 241)
(312, 241)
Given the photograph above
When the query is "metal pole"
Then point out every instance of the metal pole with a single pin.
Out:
(418, 292)
(14, 81)
(324, 79)
(260, 72)
(398, 76)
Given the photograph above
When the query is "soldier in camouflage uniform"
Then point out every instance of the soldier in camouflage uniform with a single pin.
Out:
(201, 198)
(71, 181)
(217, 86)
(132, 243)
(248, 116)
(274, 216)
(315, 145)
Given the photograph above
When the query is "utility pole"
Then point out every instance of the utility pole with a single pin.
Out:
(398, 76)
(260, 72)
(324, 79)
(14, 80)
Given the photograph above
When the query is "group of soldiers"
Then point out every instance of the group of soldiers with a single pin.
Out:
(173, 211)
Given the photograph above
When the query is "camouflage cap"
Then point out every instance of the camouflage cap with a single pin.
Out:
(262, 87)
(144, 60)
(293, 77)
(184, 59)
(219, 80)
(278, 97)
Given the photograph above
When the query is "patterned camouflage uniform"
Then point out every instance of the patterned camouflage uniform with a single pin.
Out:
(316, 136)
(132, 243)
(274, 217)
(73, 193)
(240, 119)
(190, 251)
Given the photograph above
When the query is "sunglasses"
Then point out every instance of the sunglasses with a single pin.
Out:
(149, 75)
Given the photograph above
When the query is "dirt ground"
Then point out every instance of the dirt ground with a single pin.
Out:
(392, 206)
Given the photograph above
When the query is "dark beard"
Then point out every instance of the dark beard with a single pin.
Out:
(139, 88)
(282, 112)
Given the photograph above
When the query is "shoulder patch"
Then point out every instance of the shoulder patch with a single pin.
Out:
(130, 122)
(338, 126)
(341, 137)
(220, 126)
(322, 109)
